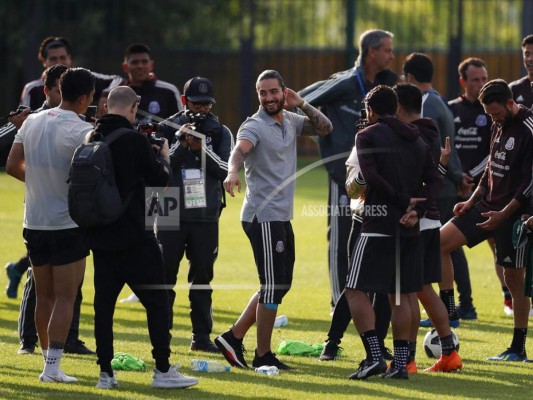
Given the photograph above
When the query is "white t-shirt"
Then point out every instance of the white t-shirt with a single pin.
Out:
(356, 205)
(49, 139)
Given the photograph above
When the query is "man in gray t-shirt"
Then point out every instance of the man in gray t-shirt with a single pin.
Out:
(266, 146)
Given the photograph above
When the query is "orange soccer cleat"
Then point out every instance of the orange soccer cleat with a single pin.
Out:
(446, 363)
(411, 367)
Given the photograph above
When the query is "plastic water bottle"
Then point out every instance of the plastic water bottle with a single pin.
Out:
(208, 366)
(280, 321)
(268, 370)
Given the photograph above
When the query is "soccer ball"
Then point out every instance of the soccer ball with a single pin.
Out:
(432, 343)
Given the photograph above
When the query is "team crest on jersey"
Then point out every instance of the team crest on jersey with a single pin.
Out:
(481, 120)
(154, 107)
(280, 247)
(510, 144)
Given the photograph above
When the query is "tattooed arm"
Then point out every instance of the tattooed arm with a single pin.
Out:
(316, 123)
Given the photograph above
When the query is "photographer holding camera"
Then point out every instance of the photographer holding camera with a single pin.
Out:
(124, 252)
(202, 141)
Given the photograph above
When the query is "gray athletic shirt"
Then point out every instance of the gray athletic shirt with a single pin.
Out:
(270, 166)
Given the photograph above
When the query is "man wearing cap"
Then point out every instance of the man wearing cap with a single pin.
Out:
(198, 158)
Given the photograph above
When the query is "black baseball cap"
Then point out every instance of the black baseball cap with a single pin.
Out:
(199, 89)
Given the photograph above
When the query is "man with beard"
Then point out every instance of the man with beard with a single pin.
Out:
(497, 202)
(522, 88)
(266, 146)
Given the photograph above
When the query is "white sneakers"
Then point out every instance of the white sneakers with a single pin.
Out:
(172, 379)
(106, 381)
(59, 377)
(162, 380)
(132, 298)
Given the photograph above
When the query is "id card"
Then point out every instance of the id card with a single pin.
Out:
(193, 188)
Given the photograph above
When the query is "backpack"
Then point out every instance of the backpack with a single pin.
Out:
(93, 196)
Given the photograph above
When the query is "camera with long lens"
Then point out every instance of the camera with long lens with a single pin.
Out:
(150, 129)
(203, 123)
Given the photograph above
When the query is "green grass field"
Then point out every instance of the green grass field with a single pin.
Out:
(307, 307)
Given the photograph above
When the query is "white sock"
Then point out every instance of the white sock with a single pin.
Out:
(52, 361)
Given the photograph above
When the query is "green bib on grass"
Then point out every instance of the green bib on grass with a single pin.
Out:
(127, 362)
(298, 348)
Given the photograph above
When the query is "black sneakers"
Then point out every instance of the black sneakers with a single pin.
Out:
(387, 353)
(27, 348)
(207, 347)
(232, 349)
(268, 359)
(330, 351)
(395, 373)
(369, 368)
(77, 347)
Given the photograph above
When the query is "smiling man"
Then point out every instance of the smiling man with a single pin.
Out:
(266, 146)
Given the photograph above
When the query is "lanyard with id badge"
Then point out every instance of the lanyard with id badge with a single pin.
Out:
(193, 188)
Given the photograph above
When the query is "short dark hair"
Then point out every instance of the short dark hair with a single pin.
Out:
(52, 74)
(382, 100)
(476, 62)
(497, 91)
(76, 82)
(371, 39)
(527, 40)
(270, 74)
(137, 48)
(409, 97)
(420, 66)
(52, 42)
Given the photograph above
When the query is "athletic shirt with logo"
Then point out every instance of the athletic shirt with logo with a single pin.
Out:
(472, 135)
(508, 172)
(522, 91)
(270, 167)
(49, 139)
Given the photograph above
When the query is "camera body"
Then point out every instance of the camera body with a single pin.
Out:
(206, 124)
(20, 109)
(150, 129)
